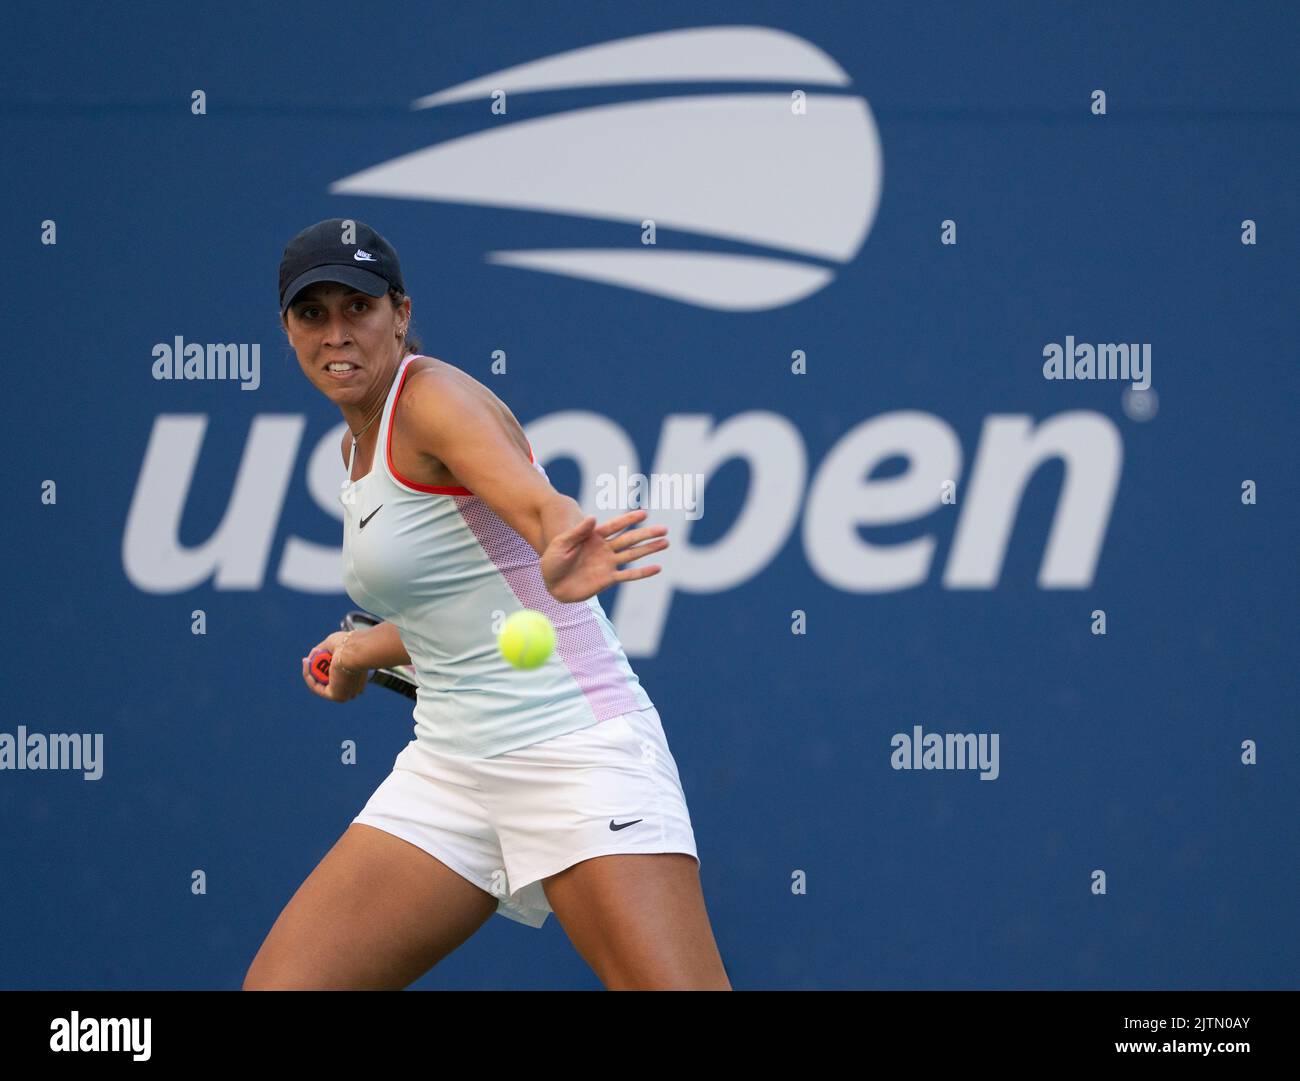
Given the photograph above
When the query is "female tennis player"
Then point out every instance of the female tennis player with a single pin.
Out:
(524, 792)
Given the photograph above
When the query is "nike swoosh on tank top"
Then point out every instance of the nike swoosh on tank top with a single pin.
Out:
(437, 562)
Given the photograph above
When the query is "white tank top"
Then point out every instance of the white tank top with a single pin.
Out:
(438, 563)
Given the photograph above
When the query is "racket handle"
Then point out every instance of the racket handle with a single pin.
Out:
(318, 664)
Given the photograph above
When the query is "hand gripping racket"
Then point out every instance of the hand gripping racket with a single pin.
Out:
(399, 678)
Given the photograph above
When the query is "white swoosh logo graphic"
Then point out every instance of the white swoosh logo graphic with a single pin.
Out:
(740, 167)
(702, 54)
(726, 282)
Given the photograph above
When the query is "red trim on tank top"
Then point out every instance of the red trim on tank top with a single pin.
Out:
(432, 489)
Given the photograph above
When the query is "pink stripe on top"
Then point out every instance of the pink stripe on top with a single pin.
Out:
(579, 640)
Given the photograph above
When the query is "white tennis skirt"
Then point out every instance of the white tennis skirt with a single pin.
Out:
(506, 822)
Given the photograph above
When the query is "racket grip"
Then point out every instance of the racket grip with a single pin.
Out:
(318, 664)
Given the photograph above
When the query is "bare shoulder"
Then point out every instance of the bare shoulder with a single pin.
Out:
(436, 381)
(431, 373)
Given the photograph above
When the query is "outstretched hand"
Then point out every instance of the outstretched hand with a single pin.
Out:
(586, 558)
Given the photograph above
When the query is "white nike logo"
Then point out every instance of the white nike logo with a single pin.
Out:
(364, 256)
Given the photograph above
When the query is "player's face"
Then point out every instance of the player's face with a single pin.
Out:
(331, 325)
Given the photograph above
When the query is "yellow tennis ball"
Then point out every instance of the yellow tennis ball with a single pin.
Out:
(526, 639)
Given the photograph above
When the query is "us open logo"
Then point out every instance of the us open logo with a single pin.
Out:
(798, 187)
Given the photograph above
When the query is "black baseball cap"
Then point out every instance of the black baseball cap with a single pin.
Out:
(318, 254)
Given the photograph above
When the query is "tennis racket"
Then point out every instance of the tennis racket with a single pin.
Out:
(399, 678)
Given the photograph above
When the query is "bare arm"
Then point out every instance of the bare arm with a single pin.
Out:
(379, 646)
(557, 514)
(470, 438)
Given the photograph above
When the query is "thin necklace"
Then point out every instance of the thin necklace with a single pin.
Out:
(373, 416)
(357, 435)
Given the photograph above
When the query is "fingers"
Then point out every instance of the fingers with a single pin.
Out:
(339, 688)
(637, 572)
(607, 529)
(582, 528)
(329, 691)
(312, 685)
(625, 540)
(616, 525)
(626, 555)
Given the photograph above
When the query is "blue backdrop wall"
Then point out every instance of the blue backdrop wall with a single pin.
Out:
(806, 334)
